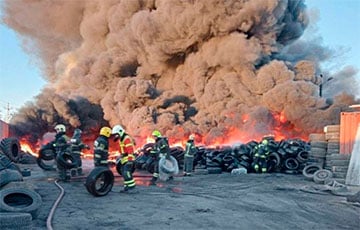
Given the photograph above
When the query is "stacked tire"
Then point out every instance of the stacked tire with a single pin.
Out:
(332, 136)
(339, 166)
(318, 150)
(11, 148)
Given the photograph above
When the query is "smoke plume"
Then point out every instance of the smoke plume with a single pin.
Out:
(207, 67)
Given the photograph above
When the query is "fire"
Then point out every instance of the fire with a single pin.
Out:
(27, 147)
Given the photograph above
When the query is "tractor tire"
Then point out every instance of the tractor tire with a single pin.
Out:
(100, 181)
(11, 147)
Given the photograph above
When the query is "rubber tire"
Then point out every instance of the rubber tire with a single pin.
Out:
(166, 169)
(291, 164)
(47, 154)
(18, 199)
(309, 171)
(322, 175)
(15, 220)
(11, 147)
(66, 160)
(47, 167)
(9, 175)
(92, 178)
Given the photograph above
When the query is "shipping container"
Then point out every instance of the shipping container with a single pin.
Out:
(4, 130)
(349, 122)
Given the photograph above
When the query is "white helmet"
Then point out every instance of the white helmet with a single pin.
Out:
(60, 128)
(117, 129)
(192, 137)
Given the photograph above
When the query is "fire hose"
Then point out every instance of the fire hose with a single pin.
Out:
(51, 214)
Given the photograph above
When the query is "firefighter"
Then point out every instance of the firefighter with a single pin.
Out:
(76, 147)
(260, 157)
(161, 148)
(101, 147)
(190, 151)
(127, 149)
(60, 144)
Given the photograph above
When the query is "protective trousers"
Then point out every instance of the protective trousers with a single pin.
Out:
(188, 164)
(129, 181)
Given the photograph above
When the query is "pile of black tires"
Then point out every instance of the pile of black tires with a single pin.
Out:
(19, 204)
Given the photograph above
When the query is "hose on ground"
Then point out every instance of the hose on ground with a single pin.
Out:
(56, 203)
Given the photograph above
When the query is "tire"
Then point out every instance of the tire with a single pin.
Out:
(20, 200)
(15, 221)
(100, 181)
(11, 147)
(47, 154)
(291, 164)
(6, 163)
(168, 169)
(214, 170)
(66, 160)
(46, 165)
(321, 175)
(302, 156)
(9, 175)
(309, 171)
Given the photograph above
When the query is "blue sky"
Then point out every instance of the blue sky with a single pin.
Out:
(20, 78)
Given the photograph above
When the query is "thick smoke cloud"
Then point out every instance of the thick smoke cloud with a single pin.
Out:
(217, 68)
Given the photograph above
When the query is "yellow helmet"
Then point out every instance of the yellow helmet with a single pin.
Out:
(265, 142)
(105, 131)
(60, 128)
(156, 133)
(192, 137)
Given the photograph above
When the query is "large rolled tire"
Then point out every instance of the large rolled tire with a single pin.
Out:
(46, 165)
(11, 148)
(66, 160)
(322, 175)
(15, 220)
(168, 166)
(100, 181)
(17, 199)
(309, 171)
(9, 175)
(47, 154)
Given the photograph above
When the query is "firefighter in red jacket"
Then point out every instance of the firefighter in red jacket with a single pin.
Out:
(127, 149)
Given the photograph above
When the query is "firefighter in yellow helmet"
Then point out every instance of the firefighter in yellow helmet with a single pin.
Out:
(127, 149)
(190, 151)
(161, 148)
(101, 147)
(261, 153)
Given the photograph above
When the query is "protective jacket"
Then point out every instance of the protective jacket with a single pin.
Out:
(127, 149)
(101, 151)
(260, 158)
(61, 142)
(161, 148)
(190, 151)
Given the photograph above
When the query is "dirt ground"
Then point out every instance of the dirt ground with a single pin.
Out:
(203, 201)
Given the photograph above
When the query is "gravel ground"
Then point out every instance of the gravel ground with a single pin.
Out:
(221, 201)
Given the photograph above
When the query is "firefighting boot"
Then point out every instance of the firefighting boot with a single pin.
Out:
(153, 180)
(79, 172)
